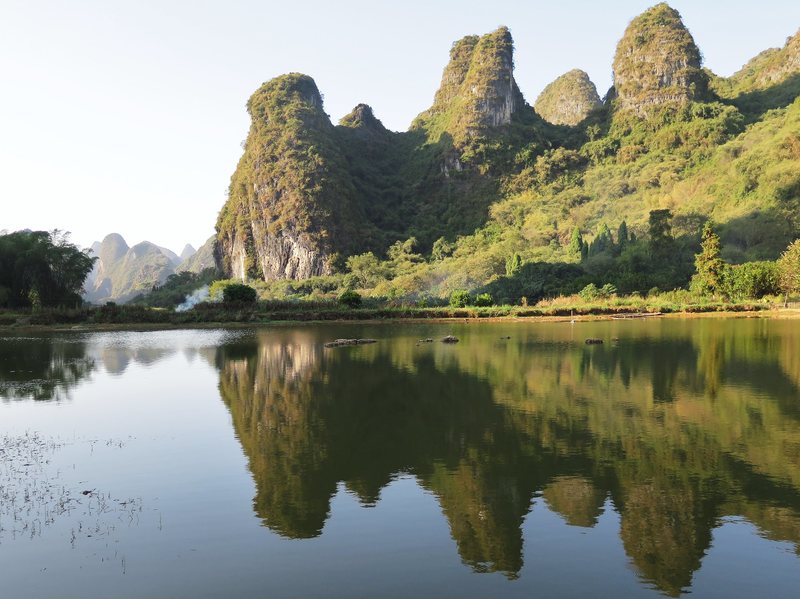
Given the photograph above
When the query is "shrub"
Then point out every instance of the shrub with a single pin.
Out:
(752, 280)
(607, 291)
(460, 298)
(484, 299)
(589, 293)
(236, 292)
(350, 298)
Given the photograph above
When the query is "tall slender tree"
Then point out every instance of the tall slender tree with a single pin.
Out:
(576, 243)
(710, 268)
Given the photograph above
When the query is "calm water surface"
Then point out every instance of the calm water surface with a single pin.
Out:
(257, 463)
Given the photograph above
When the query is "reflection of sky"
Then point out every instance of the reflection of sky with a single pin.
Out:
(198, 536)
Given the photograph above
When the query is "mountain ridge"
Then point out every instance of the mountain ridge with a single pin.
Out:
(481, 175)
(123, 272)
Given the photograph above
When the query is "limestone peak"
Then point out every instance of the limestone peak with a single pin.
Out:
(657, 62)
(478, 91)
(569, 99)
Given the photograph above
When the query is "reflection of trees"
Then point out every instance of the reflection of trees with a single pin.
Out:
(41, 368)
(666, 533)
(576, 499)
(679, 426)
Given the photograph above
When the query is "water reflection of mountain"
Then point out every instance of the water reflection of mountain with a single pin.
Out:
(48, 367)
(679, 427)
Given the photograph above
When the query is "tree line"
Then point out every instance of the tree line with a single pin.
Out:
(41, 269)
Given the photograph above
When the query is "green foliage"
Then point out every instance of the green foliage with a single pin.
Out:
(460, 298)
(501, 208)
(660, 232)
(238, 293)
(483, 300)
(175, 289)
(350, 298)
(603, 242)
(708, 279)
(622, 235)
(402, 256)
(592, 292)
(789, 268)
(751, 280)
(607, 290)
(41, 269)
(535, 281)
(367, 270)
(441, 249)
(589, 293)
(513, 264)
(576, 243)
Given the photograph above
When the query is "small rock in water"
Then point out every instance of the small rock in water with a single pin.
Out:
(506, 337)
(450, 339)
(345, 342)
(591, 341)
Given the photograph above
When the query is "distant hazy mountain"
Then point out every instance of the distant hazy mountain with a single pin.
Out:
(188, 252)
(123, 272)
(171, 256)
(200, 259)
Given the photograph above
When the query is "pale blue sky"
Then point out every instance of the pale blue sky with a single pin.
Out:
(128, 116)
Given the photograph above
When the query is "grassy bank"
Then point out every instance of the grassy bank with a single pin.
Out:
(303, 311)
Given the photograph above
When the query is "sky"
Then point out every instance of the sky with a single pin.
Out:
(129, 117)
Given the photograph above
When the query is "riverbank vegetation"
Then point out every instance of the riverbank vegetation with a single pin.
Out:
(41, 269)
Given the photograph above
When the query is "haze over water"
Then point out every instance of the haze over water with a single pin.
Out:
(238, 462)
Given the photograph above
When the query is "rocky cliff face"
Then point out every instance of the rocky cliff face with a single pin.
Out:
(478, 91)
(291, 202)
(657, 63)
(199, 260)
(568, 100)
(306, 193)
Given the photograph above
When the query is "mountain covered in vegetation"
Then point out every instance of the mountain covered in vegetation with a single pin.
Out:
(569, 99)
(486, 192)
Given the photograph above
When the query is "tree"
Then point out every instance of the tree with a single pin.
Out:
(238, 293)
(789, 269)
(660, 230)
(366, 269)
(441, 249)
(576, 243)
(710, 268)
(752, 280)
(483, 300)
(622, 235)
(513, 264)
(460, 298)
(603, 242)
(350, 298)
(402, 256)
(41, 269)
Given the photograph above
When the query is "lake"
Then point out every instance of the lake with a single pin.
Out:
(520, 461)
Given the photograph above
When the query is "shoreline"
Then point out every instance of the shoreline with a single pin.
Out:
(771, 314)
